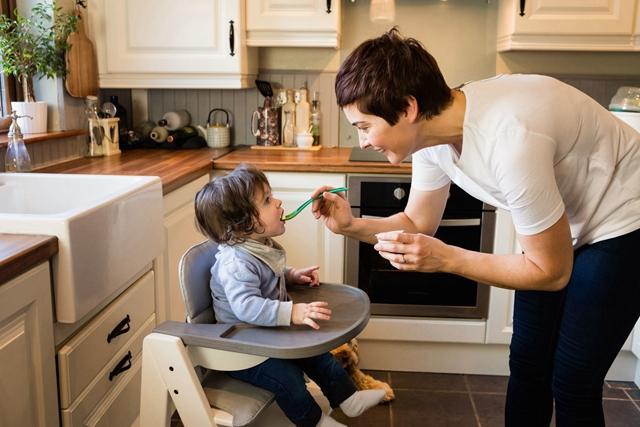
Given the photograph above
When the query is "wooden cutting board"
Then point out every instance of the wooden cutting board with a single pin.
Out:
(82, 66)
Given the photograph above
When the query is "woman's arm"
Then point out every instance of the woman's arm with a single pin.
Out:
(422, 214)
(545, 264)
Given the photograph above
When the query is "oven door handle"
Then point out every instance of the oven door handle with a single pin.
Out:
(470, 222)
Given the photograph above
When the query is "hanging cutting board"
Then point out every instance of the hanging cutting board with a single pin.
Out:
(82, 67)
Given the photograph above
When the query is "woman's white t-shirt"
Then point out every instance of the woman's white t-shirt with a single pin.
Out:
(538, 147)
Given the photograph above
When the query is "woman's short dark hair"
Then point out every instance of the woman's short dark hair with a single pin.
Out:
(381, 73)
(225, 210)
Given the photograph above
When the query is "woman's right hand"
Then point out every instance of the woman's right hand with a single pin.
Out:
(334, 210)
(304, 313)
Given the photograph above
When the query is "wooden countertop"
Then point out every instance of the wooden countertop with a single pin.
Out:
(324, 160)
(20, 253)
(174, 167)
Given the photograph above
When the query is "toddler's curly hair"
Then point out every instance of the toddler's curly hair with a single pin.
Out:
(225, 210)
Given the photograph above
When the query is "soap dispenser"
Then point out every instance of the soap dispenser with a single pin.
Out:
(17, 157)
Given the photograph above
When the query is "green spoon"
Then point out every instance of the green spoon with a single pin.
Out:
(308, 202)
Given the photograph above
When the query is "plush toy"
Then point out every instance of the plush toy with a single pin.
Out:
(347, 355)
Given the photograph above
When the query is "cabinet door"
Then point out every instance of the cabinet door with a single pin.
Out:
(181, 234)
(294, 23)
(162, 43)
(307, 241)
(28, 395)
(595, 25)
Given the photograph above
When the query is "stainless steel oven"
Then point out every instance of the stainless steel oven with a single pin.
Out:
(467, 223)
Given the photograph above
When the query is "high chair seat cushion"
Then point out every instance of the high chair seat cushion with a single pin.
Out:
(242, 400)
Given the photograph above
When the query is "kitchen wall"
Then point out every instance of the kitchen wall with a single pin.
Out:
(461, 34)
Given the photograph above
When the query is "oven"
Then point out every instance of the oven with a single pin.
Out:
(466, 222)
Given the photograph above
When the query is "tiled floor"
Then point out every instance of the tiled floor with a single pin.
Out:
(433, 400)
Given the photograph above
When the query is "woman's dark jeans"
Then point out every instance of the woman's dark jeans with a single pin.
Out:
(285, 379)
(564, 342)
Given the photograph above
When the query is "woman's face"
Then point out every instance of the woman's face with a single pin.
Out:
(270, 211)
(374, 133)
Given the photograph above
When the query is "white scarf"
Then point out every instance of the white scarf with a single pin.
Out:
(273, 255)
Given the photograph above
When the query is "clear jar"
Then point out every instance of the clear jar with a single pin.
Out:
(95, 138)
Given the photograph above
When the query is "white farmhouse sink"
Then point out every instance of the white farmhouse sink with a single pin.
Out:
(108, 227)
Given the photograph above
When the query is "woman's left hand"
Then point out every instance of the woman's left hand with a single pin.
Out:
(407, 251)
(305, 276)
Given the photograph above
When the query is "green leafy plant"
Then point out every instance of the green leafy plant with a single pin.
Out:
(35, 45)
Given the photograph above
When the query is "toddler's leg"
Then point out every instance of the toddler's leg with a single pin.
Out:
(286, 381)
(338, 386)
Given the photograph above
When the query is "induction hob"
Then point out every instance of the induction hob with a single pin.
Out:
(360, 155)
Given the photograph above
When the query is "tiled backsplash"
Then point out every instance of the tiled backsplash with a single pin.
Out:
(241, 104)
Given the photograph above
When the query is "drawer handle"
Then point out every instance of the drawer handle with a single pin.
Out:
(123, 365)
(122, 328)
(328, 6)
(522, 5)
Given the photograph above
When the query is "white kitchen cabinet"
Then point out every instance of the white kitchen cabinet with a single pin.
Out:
(99, 372)
(167, 44)
(28, 395)
(572, 25)
(307, 241)
(180, 234)
(304, 23)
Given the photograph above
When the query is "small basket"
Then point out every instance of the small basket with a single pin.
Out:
(218, 134)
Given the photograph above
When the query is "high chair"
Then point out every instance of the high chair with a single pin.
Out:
(183, 363)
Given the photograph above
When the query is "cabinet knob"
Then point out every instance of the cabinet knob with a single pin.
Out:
(399, 193)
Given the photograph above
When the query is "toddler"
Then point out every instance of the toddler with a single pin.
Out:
(248, 284)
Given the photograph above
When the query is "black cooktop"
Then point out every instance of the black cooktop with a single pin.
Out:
(360, 155)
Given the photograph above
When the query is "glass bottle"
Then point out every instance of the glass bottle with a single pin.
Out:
(302, 111)
(17, 157)
(94, 140)
(316, 118)
(288, 108)
(287, 130)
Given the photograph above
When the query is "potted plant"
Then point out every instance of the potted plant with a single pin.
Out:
(35, 46)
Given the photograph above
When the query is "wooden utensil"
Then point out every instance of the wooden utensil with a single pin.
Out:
(82, 66)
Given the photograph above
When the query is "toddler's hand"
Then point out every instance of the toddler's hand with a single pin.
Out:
(304, 313)
(308, 275)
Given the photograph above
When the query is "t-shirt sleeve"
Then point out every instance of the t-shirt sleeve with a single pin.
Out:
(524, 165)
(426, 174)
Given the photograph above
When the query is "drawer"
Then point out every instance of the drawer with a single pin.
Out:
(118, 399)
(80, 360)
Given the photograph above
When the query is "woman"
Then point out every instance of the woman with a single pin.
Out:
(566, 169)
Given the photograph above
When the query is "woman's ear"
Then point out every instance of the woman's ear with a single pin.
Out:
(411, 111)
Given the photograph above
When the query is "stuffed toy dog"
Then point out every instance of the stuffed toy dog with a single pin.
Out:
(347, 355)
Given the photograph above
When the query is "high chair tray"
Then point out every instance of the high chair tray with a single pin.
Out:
(350, 315)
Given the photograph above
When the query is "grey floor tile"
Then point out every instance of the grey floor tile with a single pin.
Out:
(487, 383)
(378, 416)
(633, 394)
(428, 381)
(622, 384)
(621, 413)
(490, 409)
(433, 409)
(609, 392)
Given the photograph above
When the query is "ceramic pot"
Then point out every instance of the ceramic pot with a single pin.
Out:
(36, 110)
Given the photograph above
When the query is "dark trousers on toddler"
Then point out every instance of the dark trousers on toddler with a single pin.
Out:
(564, 342)
(285, 379)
